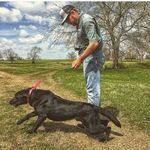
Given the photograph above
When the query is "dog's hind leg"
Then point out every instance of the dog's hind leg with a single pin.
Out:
(28, 116)
(104, 136)
(95, 128)
(102, 131)
(37, 124)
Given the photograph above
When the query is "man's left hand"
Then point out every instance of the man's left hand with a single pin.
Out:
(76, 63)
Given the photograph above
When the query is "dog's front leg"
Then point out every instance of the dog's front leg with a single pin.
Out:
(28, 116)
(38, 122)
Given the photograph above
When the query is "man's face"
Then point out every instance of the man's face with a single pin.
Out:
(73, 18)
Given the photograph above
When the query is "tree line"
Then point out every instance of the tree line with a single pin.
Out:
(10, 55)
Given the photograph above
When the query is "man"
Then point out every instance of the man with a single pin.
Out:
(89, 46)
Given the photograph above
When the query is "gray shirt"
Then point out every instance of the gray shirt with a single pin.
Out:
(87, 31)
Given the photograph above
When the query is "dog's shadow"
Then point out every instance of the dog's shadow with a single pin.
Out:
(59, 126)
(52, 126)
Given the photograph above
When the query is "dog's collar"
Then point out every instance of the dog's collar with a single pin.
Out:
(29, 95)
(32, 89)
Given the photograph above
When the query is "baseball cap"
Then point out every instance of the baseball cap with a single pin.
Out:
(65, 12)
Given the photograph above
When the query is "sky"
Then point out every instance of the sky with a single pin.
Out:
(23, 26)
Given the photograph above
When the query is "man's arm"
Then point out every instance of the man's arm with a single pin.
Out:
(89, 50)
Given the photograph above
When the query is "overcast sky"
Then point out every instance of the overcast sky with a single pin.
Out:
(21, 24)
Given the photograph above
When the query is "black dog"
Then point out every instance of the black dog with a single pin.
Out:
(48, 105)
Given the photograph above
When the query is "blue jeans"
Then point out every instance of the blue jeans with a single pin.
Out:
(92, 67)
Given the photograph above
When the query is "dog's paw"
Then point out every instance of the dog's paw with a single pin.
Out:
(105, 136)
(103, 139)
(30, 131)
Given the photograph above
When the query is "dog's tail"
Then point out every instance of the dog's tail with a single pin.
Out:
(110, 116)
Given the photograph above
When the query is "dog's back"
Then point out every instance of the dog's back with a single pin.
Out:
(59, 109)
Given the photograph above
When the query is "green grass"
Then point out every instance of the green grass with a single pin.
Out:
(26, 67)
(127, 89)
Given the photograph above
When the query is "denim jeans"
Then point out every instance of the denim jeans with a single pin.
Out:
(92, 67)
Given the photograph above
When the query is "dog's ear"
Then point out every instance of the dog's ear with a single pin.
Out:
(23, 92)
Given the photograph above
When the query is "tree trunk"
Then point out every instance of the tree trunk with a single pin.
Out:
(33, 61)
(115, 58)
(142, 56)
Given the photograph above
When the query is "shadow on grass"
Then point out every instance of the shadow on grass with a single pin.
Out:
(51, 127)
(55, 126)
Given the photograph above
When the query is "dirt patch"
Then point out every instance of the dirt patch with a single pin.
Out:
(65, 135)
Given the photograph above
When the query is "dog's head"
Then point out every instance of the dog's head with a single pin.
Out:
(20, 97)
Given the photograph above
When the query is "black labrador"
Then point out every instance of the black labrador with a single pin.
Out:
(48, 105)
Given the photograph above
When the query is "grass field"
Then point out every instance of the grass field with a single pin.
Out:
(127, 89)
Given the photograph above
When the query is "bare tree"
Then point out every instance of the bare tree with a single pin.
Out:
(138, 43)
(1, 55)
(139, 39)
(130, 54)
(72, 55)
(10, 55)
(34, 54)
(118, 19)
(107, 53)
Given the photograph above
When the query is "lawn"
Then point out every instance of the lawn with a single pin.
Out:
(126, 89)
